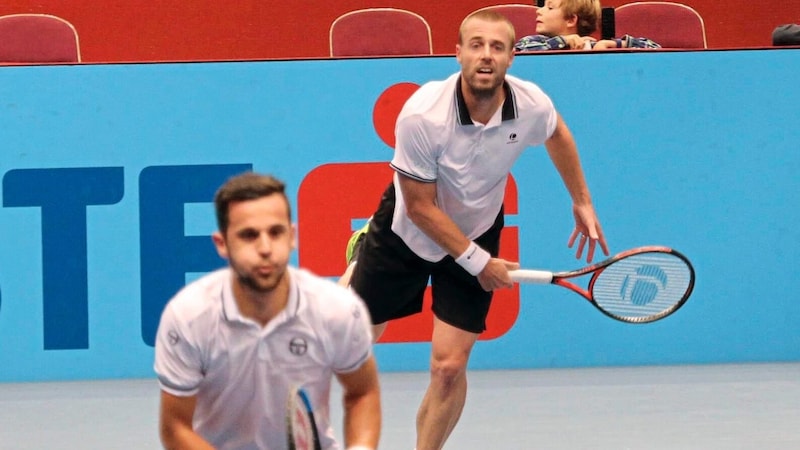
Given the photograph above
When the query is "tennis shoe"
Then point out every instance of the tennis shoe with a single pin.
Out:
(354, 243)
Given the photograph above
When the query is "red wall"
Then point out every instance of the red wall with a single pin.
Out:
(143, 30)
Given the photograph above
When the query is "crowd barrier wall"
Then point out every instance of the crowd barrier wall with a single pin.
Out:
(108, 172)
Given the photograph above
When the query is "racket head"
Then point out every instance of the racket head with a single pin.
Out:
(642, 285)
(301, 427)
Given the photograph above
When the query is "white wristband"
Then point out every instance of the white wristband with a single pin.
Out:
(474, 259)
(360, 447)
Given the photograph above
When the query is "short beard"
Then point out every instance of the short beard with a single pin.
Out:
(253, 285)
(482, 93)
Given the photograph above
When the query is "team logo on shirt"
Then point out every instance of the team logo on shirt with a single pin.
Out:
(512, 138)
(173, 337)
(298, 346)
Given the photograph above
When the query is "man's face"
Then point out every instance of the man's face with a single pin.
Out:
(258, 242)
(485, 54)
(550, 19)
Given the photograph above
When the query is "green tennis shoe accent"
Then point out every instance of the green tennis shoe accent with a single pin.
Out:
(354, 241)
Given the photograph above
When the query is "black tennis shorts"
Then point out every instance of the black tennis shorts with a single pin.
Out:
(392, 279)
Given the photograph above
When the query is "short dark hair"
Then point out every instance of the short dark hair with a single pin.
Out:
(246, 186)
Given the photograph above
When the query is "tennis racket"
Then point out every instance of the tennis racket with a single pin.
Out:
(640, 285)
(301, 428)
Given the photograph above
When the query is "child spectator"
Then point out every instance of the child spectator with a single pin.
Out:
(568, 25)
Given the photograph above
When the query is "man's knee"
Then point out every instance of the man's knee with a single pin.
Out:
(447, 371)
(450, 354)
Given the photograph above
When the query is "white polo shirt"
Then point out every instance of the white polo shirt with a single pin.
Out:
(241, 372)
(437, 142)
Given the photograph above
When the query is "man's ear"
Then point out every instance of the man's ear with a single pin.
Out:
(219, 243)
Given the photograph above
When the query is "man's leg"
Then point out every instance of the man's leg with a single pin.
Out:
(344, 280)
(444, 400)
(377, 330)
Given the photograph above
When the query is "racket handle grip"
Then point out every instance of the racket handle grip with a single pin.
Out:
(531, 276)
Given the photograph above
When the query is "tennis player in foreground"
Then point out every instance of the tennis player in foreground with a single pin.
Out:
(233, 345)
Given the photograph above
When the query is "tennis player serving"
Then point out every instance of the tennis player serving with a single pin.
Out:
(441, 217)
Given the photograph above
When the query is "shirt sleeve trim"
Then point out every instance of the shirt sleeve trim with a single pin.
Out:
(411, 175)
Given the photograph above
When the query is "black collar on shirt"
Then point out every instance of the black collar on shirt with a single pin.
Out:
(462, 113)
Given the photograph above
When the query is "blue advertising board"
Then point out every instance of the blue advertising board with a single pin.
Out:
(108, 172)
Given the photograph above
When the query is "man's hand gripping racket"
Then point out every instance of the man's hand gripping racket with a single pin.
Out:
(640, 285)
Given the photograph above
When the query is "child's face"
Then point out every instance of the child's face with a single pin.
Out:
(550, 19)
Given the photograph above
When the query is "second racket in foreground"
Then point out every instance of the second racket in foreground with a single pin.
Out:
(301, 427)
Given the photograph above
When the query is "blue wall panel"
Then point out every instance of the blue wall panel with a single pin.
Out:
(694, 150)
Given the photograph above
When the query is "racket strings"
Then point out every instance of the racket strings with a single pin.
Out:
(302, 430)
(643, 286)
(301, 424)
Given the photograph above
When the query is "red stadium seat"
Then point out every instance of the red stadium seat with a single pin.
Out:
(380, 32)
(672, 25)
(37, 38)
(523, 17)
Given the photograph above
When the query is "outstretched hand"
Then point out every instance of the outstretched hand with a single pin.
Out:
(587, 230)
